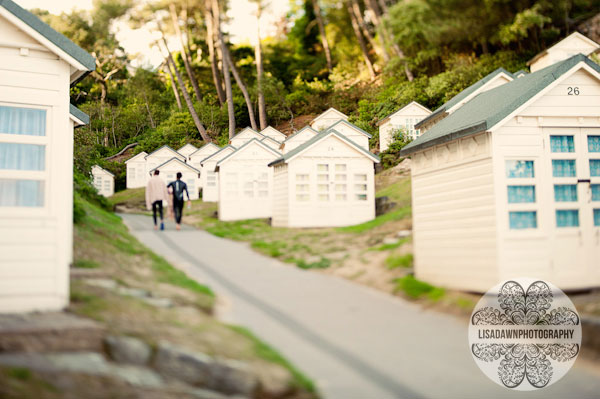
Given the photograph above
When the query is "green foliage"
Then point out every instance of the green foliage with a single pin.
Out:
(19, 373)
(394, 261)
(415, 289)
(86, 264)
(391, 156)
(397, 214)
(273, 249)
(322, 263)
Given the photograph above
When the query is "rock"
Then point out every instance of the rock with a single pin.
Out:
(159, 302)
(90, 363)
(105, 283)
(232, 377)
(275, 381)
(226, 376)
(182, 364)
(383, 205)
(128, 350)
(133, 292)
(404, 233)
(390, 240)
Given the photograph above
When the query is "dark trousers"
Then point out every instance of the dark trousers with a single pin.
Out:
(178, 209)
(157, 206)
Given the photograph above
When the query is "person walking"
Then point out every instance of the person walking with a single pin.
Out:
(156, 196)
(178, 187)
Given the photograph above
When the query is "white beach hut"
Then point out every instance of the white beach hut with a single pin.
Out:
(353, 132)
(36, 160)
(246, 182)
(200, 154)
(187, 150)
(273, 133)
(209, 178)
(136, 171)
(494, 79)
(575, 43)
(245, 136)
(159, 157)
(327, 181)
(191, 175)
(103, 180)
(327, 119)
(509, 184)
(274, 144)
(298, 138)
(405, 118)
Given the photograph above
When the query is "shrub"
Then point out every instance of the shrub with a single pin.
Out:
(415, 289)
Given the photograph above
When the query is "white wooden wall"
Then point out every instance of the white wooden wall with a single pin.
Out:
(36, 243)
(331, 184)
(209, 178)
(169, 174)
(281, 195)
(409, 116)
(136, 173)
(103, 181)
(454, 217)
(159, 157)
(353, 134)
(246, 184)
(299, 139)
(567, 256)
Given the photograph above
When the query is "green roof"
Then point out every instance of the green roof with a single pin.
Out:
(490, 107)
(59, 40)
(286, 157)
(79, 114)
(462, 95)
(351, 125)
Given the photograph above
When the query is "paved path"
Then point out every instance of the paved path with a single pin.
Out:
(354, 342)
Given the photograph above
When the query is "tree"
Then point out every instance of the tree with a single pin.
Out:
(361, 42)
(243, 88)
(167, 68)
(210, 41)
(321, 26)
(262, 111)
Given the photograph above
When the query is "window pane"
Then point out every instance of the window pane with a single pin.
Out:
(340, 167)
(562, 144)
(301, 177)
(263, 193)
(519, 169)
(361, 197)
(21, 192)
(595, 167)
(519, 194)
(565, 192)
(567, 218)
(322, 177)
(360, 177)
(301, 197)
(322, 167)
(360, 187)
(340, 197)
(301, 187)
(522, 220)
(340, 177)
(593, 143)
(22, 156)
(323, 187)
(563, 167)
(340, 188)
(323, 197)
(22, 121)
(249, 194)
(595, 192)
(596, 217)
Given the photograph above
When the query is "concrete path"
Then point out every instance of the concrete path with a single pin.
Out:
(354, 342)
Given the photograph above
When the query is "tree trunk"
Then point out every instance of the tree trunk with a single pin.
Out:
(324, 41)
(173, 84)
(262, 111)
(243, 88)
(152, 124)
(226, 75)
(208, 20)
(186, 95)
(360, 39)
(365, 30)
(184, 54)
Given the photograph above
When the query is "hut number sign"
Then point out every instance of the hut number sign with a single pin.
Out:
(573, 91)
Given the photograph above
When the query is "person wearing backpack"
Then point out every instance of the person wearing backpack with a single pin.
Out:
(177, 187)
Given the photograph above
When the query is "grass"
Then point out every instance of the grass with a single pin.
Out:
(86, 264)
(387, 247)
(19, 373)
(416, 289)
(170, 275)
(394, 261)
(396, 214)
(273, 249)
(132, 198)
(322, 263)
(266, 352)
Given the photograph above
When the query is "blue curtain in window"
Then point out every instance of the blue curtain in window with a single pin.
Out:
(21, 192)
(562, 144)
(519, 169)
(567, 218)
(565, 192)
(596, 217)
(563, 168)
(522, 220)
(22, 156)
(22, 121)
(593, 143)
(595, 192)
(594, 167)
(520, 194)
